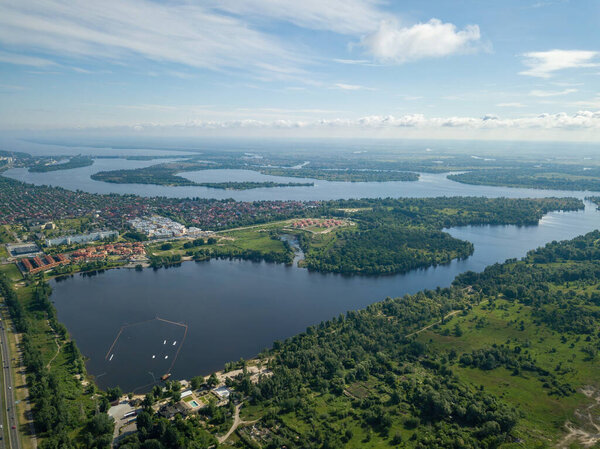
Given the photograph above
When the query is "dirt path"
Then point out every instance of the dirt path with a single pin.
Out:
(236, 423)
(429, 326)
(588, 434)
(55, 355)
(58, 346)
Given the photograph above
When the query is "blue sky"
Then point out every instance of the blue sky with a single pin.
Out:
(527, 69)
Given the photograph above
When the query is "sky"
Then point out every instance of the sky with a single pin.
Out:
(479, 69)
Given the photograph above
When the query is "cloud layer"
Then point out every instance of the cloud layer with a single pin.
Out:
(215, 34)
(560, 121)
(115, 30)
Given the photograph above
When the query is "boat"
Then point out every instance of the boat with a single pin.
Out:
(165, 376)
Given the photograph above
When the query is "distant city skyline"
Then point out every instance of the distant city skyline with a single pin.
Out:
(522, 70)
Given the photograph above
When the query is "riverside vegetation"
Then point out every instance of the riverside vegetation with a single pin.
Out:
(67, 412)
(390, 236)
(563, 177)
(74, 162)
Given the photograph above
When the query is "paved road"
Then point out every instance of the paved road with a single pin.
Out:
(9, 416)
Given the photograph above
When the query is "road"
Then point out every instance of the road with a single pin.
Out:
(9, 417)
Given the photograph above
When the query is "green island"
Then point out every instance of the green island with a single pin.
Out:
(75, 162)
(342, 175)
(565, 177)
(165, 175)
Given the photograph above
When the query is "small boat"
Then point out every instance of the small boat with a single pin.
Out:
(165, 376)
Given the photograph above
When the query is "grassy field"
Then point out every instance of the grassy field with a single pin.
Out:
(544, 415)
(256, 238)
(11, 271)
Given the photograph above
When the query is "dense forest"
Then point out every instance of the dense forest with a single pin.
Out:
(342, 175)
(165, 175)
(398, 235)
(511, 356)
(384, 249)
(556, 178)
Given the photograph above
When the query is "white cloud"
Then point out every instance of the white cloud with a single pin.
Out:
(511, 105)
(592, 103)
(344, 86)
(178, 32)
(32, 61)
(543, 64)
(392, 43)
(10, 87)
(353, 61)
(341, 16)
(551, 93)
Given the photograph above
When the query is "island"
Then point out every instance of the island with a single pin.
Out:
(43, 166)
(165, 175)
(342, 175)
(563, 177)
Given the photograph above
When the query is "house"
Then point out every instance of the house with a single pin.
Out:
(222, 392)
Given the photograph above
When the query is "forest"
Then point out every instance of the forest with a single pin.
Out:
(398, 235)
(342, 175)
(551, 178)
(165, 175)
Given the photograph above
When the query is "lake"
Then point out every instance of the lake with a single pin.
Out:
(213, 312)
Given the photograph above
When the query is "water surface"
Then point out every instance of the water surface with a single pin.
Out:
(428, 185)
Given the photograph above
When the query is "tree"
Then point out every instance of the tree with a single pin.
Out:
(197, 382)
(101, 424)
(114, 393)
(212, 380)
(457, 330)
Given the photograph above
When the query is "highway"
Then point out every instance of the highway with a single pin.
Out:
(9, 415)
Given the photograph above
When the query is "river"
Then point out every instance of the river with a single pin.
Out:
(428, 185)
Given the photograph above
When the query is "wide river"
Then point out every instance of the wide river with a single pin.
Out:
(429, 185)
